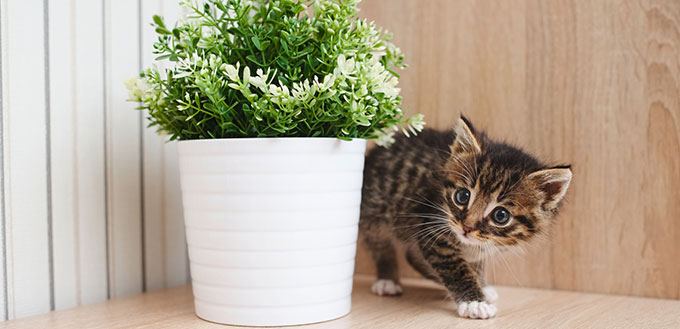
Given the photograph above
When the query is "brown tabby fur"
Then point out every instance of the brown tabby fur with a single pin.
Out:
(408, 198)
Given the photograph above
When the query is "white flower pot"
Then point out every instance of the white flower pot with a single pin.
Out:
(271, 226)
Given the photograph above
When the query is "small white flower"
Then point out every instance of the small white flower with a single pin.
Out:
(232, 72)
(259, 83)
(131, 82)
(246, 75)
(139, 89)
(417, 122)
(182, 74)
(385, 139)
(328, 81)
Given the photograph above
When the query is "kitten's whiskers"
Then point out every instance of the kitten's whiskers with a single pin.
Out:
(426, 232)
(432, 205)
(507, 265)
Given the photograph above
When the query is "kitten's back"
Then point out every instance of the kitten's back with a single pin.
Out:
(403, 171)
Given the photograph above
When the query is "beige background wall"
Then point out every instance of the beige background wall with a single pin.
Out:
(593, 83)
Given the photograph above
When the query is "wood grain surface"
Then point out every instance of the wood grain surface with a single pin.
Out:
(422, 306)
(591, 83)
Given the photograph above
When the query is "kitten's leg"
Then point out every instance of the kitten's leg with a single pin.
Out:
(385, 257)
(417, 261)
(460, 278)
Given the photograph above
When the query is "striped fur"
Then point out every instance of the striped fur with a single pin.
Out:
(409, 198)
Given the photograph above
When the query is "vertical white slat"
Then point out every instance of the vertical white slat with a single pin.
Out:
(26, 160)
(64, 170)
(154, 167)
(166, 256)
(90, 157)
(176, 248)
(177, 261)
(124, 176)
(77, 140)
(3, 129)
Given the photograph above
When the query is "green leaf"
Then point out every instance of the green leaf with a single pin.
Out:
(253, 59)
(162, 30)
(265, 45)
(282, 61)
(158, 20)
(235, 31)
(220, 6)
(256, 42)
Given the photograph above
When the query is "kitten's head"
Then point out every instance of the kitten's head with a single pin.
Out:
(498, 193)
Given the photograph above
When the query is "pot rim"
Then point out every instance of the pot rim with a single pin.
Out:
(253, 139)
(274, 145)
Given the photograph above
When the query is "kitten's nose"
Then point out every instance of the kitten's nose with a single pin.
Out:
(466, 229)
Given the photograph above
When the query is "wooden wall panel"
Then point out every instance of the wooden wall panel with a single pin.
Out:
(592, 83)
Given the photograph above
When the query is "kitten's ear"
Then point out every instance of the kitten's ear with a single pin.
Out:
(554, 183)
(466, 141)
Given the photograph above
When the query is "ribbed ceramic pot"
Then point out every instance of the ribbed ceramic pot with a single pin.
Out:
(271, 227)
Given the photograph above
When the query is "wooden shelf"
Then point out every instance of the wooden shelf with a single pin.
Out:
(422, 306)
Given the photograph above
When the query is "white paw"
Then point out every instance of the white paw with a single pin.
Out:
(476, 310)
(384, 287)
(490, 293)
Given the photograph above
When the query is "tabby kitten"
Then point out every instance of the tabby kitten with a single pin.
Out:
(453, 199)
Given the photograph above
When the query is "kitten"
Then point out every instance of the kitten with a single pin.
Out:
(453, 199)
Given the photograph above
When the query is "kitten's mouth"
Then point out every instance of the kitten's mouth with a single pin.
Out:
(464, 237)
(468, 239)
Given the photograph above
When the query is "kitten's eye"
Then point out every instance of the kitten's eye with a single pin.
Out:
(500, 216)
(462, 197)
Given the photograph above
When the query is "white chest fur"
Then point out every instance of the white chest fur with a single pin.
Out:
(477, 253)
(474, 254)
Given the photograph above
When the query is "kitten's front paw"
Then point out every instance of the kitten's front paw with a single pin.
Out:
(490, 293)
(384, 287)
(476, 310)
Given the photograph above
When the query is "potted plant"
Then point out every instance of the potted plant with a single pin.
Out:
(272, 102)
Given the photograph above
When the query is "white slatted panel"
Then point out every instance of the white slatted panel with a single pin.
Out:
(165, 246)
(90, 157)
(86, 165)
(25, 159)
(154, 167)
(77, 143)
(64, 168)
(123, 149)
(176, 248)
(3, 128)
